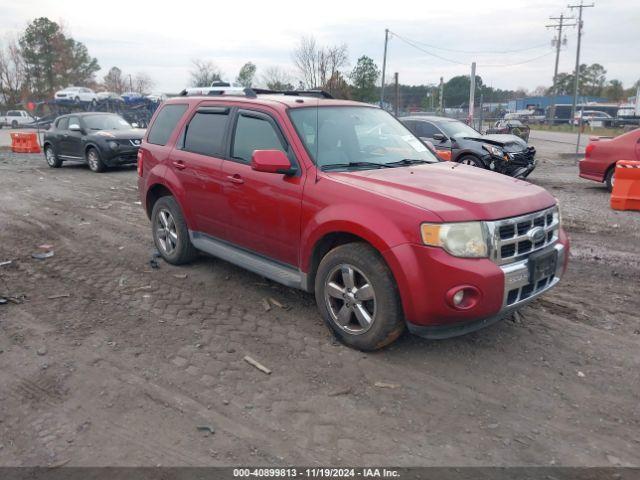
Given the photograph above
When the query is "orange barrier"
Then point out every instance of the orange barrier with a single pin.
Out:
(626, 187)
(25, 142)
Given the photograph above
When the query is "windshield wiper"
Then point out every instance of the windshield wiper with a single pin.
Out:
(354, 164)
(407, 161)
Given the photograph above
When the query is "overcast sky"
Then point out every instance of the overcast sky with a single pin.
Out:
(161, 37)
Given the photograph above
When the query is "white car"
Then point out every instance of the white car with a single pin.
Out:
(592, 118)
(76, 95)
(16, 118)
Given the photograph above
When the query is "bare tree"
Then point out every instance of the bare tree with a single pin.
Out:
(317, 64)
(204, 73)
(276, 78)
(143, 83)
(114, 80)
(13, 74)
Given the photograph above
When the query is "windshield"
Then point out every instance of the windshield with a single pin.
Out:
(458, 129)
(357, 137)
(105, 122)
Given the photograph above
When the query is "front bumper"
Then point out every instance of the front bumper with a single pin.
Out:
(127, 156)
(518, 292)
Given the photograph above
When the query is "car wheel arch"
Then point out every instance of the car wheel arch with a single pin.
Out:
(470, 153)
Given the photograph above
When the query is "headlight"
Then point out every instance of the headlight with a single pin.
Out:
(493, 150)
(467, 239)
(113, 145)
(557, 216)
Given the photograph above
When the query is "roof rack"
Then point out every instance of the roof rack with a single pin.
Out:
(252, 92)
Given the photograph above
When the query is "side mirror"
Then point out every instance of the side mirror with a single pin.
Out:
(75, 127)
(440, 137)
(271, 161)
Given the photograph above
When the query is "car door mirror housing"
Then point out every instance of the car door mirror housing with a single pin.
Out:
(272, 161)
(75, 127)
(439, 136)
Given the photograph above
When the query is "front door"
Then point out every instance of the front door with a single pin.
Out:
(428, 131)
(265, 207)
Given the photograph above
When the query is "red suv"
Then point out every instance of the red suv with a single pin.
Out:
(340, 199)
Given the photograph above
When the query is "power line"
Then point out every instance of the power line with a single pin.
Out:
(481, 52)
(413, 44)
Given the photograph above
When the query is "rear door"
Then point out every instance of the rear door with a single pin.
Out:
(265, 207)
(197, 161)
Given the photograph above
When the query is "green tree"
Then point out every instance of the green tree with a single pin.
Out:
(614, 91)
(456, 90)
(246, 74)
(591, 81)
(52, 60)
(364, 77)
(113, 80)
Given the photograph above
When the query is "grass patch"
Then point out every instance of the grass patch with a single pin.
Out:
(598, 131)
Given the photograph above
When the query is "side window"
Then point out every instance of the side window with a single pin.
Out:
(205, 132)
(13, 114)
(165, 123)
(426, 129)
(74, 121)
(254, 134)
(411, 125)
(63, 123)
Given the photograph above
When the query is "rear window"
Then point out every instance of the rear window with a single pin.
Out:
(205, 132)
(165, 123)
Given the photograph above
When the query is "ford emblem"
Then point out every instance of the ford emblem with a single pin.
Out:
(536, 234)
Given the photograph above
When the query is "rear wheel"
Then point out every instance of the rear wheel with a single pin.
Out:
(471, 160)
(358, 297)
(50, 155)
(610, 178)
(94, 161)
(170, 232)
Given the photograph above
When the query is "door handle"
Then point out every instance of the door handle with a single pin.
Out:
(237, 179)
(179, 164)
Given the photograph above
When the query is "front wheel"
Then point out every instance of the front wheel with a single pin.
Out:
(94, 161)
(14, 124)
(358, 298)
(471, 160)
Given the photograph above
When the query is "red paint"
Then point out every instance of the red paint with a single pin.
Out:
(283, 217)
(601, 154)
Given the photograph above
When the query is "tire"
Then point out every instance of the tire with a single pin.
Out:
(371, 318)
(76, 100)
(471, 160)
(50, 156)
(14, 124)
(93, 104)
(94, 161)
(170, 232)
(609, 178)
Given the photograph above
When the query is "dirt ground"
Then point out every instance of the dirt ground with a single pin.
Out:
(106, 361)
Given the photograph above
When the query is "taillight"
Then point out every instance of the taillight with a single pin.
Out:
(589, 150)
(139, 162)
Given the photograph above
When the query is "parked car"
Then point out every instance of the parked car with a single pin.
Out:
(593, 118)
(109, 96)
(506, 154)
(132, 98)
(100, 139)
(601, 155)
(16, 118)
(156, 97)
(76, 95)
(340, 199)
(512, 127)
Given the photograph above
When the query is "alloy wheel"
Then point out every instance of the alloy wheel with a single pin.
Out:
(166, 231)
(350, 298)
(50, 156)
(92, 158)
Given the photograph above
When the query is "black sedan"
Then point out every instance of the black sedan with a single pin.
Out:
(100, 139)
(457, 141)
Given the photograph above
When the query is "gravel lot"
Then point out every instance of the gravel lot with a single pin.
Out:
(105, 361)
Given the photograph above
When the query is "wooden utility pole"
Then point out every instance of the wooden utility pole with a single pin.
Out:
(441, 96)
(577, 71)
(472, 93)
(558, 43)
(397, 89)
(384, 65)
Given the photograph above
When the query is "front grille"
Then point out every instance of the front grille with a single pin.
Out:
(524, 157)
(518, 294)
(511, 239)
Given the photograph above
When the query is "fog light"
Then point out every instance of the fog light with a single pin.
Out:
(463, 297)
(458, 297)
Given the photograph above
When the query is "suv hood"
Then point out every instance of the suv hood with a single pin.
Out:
(510, 143)
(452, 191)
(128, 134)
